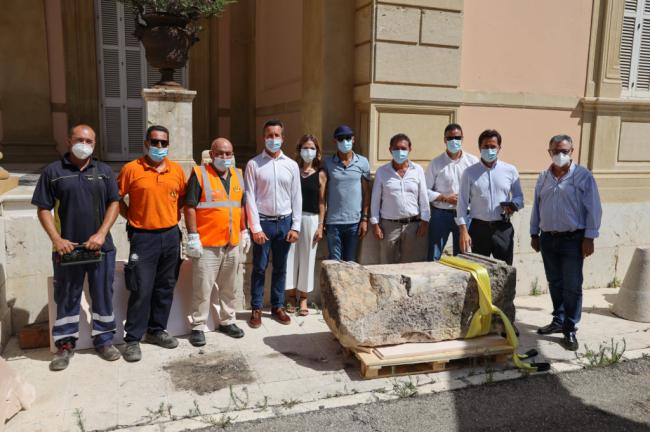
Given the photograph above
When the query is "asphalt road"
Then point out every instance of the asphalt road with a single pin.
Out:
(608, 399)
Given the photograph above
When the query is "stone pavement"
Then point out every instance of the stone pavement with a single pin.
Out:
(274, 370)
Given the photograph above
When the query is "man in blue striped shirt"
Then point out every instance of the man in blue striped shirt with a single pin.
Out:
(564, 223)
(485, 187)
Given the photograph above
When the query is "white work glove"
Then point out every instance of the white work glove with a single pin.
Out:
(194, 247)
(244, 241)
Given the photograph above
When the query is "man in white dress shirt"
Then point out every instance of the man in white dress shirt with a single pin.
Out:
(399, 207)
(443, 181)
(274, 205)
(492, 191)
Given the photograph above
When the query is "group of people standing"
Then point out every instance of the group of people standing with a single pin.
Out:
(288, 205)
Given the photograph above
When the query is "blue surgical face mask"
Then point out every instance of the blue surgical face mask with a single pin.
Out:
(222, 164)
(273, 144)
(158, 154)
(344, 146)
(400, 156)
(454, 145)
(489, 154)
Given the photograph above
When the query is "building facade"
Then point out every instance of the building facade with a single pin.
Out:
(529, 69)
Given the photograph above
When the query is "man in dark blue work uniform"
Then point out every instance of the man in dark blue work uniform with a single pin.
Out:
(83, 193)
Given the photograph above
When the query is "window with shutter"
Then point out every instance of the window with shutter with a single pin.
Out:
(123, 73)
(635, 49)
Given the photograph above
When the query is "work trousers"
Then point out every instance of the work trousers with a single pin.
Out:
(215, 270)
(493, 238)
(301, 260)
(276, 231)
(68, 286)
(401, 243)
(151, 275)
(563, 261)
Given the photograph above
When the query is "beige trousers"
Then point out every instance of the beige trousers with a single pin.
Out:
(216, 270)
(401, 243)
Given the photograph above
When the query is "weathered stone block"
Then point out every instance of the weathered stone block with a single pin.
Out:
(416, 302)
(417, 64)
(441, 28)
(399, 24)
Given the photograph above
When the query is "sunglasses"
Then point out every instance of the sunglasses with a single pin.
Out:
(155, 142)
(454, 138)
(344, 137)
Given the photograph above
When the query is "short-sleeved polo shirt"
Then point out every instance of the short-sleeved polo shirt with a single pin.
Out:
(153, 195)
(69, 191)
(344, 194)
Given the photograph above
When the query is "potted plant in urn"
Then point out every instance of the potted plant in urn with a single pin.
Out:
(169, 28)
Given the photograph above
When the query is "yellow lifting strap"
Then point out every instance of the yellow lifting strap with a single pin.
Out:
(482, 319)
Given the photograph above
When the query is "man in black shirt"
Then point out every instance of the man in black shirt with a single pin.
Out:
(83, 193)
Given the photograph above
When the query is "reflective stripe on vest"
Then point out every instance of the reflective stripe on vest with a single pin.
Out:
(209, 201)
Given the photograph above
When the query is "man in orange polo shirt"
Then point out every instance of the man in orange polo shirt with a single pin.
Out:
(156, 188)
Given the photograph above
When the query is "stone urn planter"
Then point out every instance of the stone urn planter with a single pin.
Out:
(169, 28)
(167, 40)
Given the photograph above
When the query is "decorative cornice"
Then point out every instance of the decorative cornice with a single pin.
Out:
(600, 104)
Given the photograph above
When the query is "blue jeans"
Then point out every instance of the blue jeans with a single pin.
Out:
(563, 266)
(276, 231)
(342, 241)
(441, 224)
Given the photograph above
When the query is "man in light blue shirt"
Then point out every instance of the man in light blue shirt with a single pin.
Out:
(348, 197)
(563, 225)
(492, 191)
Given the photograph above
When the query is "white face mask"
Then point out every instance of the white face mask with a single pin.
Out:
(561, 159)
(82, 151)
(308, 154)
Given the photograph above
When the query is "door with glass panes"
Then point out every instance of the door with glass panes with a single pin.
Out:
(123, 73)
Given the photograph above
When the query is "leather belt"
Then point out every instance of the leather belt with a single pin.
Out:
(404, 220)
(564, 234)
(273, 218)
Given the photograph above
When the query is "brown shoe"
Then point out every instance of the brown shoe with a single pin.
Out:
(256, 318)
(281, 316)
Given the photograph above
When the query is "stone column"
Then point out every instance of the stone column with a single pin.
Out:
(172, 108)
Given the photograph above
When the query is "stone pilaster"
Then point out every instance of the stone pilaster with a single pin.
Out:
(172, 108)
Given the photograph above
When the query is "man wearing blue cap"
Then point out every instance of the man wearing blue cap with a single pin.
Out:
(348, 197)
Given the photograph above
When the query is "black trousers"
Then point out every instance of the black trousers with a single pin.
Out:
(151, 275)
(493, 238)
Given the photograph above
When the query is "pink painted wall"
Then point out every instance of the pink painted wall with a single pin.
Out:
(278, 64)
(528, 46)
(525, 133)
(224, 71)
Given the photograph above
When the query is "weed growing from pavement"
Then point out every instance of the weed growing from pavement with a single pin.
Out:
(316, 308)
(614, 283)
(196, 411)
(239, 402)
(263, 405)
(78, 413)
(223, 422)
(404, 389)
(288, 404)
(489, 374)
(604, 356)
(534, 287)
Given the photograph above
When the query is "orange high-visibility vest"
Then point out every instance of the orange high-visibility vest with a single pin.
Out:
(218, 213)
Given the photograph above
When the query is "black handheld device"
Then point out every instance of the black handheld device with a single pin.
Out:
(81, 255)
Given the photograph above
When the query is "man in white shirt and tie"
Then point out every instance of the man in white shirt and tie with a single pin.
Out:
(443, 181)
(491, 189)
(274, 205)
(399, 207)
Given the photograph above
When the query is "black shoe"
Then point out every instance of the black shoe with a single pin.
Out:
(570, 341)
(132, 352)
(232, 330)
(197, 338)
(162, 339)
(553, 327)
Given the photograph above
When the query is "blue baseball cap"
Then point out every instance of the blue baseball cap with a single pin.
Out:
(343, 130)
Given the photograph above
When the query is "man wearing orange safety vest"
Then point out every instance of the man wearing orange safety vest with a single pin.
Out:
(216, 225)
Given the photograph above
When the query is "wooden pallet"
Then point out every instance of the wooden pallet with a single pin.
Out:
(408, 359)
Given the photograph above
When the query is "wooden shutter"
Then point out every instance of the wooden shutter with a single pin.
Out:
(124, 72)
(635, 49)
